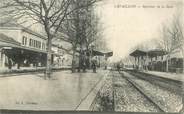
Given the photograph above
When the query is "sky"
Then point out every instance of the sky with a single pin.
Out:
(125, 27)
(130, 23)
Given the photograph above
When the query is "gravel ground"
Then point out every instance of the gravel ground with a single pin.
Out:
(104, 99)
(169, 100)
(127, 98)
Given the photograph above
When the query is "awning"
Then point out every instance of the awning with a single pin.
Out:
(138, 53)
(22, 48)
(97, 53)
(109, 54)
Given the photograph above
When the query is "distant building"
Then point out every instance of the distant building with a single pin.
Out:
(156, 60)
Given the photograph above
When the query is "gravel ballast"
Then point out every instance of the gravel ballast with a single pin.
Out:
(126, 98)
(170, 101)
(129, 99)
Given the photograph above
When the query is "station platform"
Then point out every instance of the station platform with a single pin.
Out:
(172, 76)
(29, 69)
(64, 91)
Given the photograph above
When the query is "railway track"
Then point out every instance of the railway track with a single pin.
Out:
(130, 85)
(144, 93)
(140, 91)
(168, 84)
(162, 92)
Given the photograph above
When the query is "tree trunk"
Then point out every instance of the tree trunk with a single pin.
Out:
(183, 66)
(183, 60)
(79, 67)
(49, 57)
(182, 110)
(80, 58)
(73, 61)
(138, 64)
(182, 93)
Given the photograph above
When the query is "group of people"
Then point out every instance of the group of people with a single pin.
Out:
(86, 63)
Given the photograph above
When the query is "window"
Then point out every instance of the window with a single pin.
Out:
(34, 43)
(30, 40)
(43, 46)
(39, 44)
(24, 40)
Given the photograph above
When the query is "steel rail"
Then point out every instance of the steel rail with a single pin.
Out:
(165, 83)
(144, 93)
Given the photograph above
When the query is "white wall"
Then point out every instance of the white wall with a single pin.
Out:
(17, 34)
(31, 36)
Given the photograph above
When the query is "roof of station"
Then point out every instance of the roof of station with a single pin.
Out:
(12, 25)
(156, 52)
(7, 39)
(150, 53)
(98, 53)
(138, 53)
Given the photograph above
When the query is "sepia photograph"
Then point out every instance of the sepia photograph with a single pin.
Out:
(91, 56)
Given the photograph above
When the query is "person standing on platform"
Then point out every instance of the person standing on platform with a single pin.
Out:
(94, 62)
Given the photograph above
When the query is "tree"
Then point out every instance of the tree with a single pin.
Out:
(72, 30)
(91, 34)
(80, 29)
(172, 39)
(50, 13)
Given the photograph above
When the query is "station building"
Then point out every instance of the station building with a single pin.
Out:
(22, 47)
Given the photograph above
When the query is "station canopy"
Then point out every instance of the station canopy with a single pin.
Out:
(156, 52)
(97, 53)
(138, 53)
(109, 54)
(100, 53)
(151, 53)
